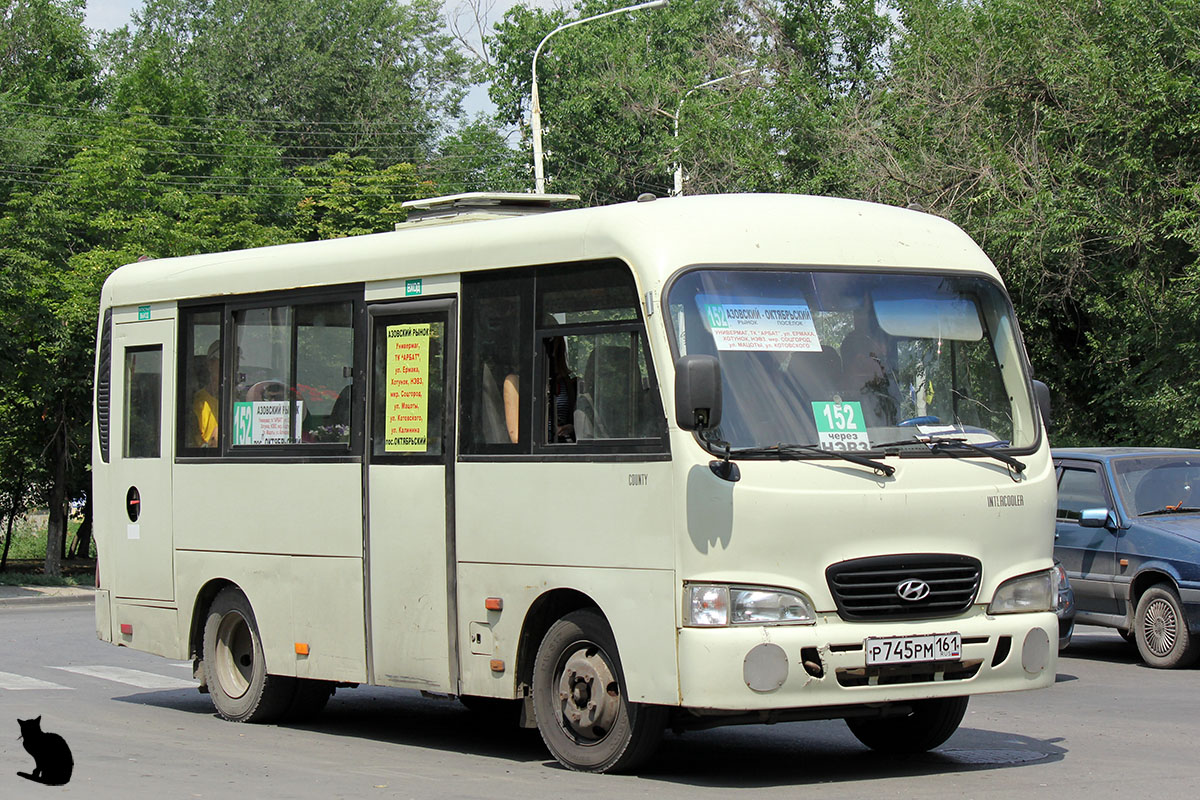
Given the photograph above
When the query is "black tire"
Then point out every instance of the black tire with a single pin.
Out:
(929, 724)
(586, 730)
(234, 666)
(1161, 628)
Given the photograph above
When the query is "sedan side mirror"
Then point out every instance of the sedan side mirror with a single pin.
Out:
(1041, 393)
(697, 392)
(1097, 518)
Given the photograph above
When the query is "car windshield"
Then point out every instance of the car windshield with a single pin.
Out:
(1160, 483)
(857, 360)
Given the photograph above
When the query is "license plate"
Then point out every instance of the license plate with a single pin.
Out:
(913, 649)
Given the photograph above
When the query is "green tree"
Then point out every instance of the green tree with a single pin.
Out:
(372, 77)
(348, 196)
(45, 63)
(477, 158)
(608, 89)
(756, 87)
(1062, 136)
(118, 196)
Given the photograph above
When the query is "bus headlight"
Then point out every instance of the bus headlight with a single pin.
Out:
(714, 605)
(1037, 591)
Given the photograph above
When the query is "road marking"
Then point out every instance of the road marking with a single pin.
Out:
(22, 682)
(132, 677)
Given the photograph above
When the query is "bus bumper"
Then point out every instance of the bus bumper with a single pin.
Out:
(103, 616)
(730, 669)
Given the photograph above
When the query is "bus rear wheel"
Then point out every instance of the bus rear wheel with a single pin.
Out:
(927, 725)
(583, 714)
(234, 667)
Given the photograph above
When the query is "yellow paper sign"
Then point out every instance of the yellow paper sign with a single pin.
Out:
(407, 373)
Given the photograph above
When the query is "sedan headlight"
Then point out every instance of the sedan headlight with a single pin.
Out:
(1037, 591)
(714, 605)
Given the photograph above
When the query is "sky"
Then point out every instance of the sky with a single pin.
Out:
(109, 14)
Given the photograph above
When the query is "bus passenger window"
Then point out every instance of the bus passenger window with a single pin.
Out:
(143, 402)
(497, 362)
(262, 366)
(324, 371)
(598, 384)
(200, 381)
(278, 400)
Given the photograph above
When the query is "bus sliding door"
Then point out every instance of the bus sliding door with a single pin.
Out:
(409, 525)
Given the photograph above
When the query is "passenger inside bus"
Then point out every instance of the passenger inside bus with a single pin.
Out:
(561, 392)
(204, 401)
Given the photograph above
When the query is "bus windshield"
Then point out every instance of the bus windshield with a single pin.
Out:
(857, 360)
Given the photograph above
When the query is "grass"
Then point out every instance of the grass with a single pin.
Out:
(8, 578)
(27, 554)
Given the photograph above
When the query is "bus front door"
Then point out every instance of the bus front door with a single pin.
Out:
(409, 481)
(140, 468)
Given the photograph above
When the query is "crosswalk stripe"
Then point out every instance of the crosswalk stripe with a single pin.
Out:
(21, 682)
(132, 677)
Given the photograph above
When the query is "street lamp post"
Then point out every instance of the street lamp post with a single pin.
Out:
(679, 110)
(535, 113)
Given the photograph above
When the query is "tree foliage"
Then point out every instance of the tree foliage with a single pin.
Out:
(372, 77)
(1063, 137)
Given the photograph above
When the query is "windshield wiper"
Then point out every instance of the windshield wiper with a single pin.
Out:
(949, 443)
(1179, 509)
(795, 450)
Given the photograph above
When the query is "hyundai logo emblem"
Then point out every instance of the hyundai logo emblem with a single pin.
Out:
(912, 590)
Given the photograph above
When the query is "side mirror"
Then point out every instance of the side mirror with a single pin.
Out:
(1096, 518)
(697, 392)
(1041, 393)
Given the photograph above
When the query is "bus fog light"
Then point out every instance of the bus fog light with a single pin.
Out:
(1036, 651)
(1037, 591)
(708, 605)
(765, 667)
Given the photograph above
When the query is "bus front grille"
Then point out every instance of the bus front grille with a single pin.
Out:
(913, 586)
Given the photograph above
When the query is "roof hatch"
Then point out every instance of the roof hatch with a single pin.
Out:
(473, 206)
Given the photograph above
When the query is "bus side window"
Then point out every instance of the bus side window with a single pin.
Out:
(200, 360)
(142, 402)
(596, 363)
(497, 364)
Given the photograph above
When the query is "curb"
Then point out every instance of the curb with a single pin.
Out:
(76, 595)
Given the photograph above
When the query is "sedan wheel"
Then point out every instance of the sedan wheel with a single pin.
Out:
(1161, 630)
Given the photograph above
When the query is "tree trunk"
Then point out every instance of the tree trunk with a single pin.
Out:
(7, 542)
(56, 530)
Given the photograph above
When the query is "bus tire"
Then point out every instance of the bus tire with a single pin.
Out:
(579, 698)
(929, 724)
(1160, 627)
(234, 666)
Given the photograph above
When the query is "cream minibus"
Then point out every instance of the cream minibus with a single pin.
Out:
(673, 463)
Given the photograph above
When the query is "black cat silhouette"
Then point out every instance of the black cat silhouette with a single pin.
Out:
(52, 758)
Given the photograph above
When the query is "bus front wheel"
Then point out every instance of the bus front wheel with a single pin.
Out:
(234, 666)
(927, 725)
(583, 714)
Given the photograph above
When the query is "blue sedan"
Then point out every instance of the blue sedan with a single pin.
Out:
(1128, 536)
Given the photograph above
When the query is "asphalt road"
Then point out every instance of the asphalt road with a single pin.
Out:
(1109, 728)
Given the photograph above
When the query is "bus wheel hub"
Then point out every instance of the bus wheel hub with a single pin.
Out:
(588, 694)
